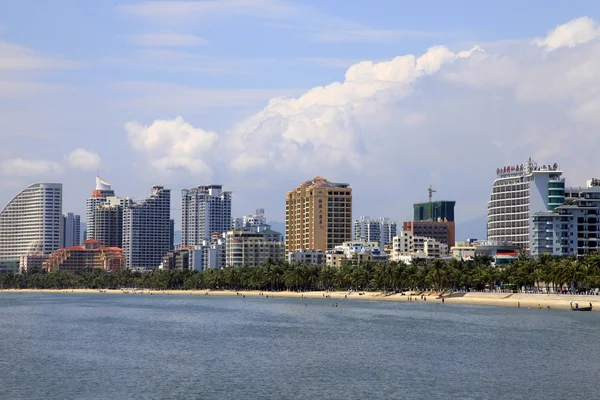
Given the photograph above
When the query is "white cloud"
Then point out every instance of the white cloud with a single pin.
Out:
(171, 145)
(313, 23)
(83, 159)
(571, 34)
(167, 40)
(20, 58)
(30, 168)
(446, 117)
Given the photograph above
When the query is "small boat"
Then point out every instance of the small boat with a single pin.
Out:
(577, 308)
(582, 309)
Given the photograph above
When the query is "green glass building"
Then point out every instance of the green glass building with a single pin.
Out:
(441, 210)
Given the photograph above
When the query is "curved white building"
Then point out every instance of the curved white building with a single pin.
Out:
(518, 193)
(31, 223)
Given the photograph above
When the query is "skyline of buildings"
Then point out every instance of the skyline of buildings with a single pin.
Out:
(529, 208)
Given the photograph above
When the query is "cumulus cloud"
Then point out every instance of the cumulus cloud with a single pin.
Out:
(571, 34)
(170, 145)
(445, 117)
(30, 168)
(83, 159)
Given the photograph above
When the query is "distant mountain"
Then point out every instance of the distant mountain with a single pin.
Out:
(278, 227)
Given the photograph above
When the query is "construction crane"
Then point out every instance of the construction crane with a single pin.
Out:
(431, 192)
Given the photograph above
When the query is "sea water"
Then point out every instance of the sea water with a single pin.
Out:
(104, 346)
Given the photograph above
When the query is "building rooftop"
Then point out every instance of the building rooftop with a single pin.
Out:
(320, 182)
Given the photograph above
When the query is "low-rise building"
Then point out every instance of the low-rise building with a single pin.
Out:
(407, 247)
(356, 252)
(90, 255)
(210, 254)
(463, 251)
(311, 257)
(31, 262)
(251, 248)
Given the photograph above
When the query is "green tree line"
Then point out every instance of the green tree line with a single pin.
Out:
(542, 273)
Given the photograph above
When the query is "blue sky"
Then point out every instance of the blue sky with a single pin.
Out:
(260, 95)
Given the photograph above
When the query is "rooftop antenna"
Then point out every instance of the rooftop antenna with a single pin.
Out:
(431, 192)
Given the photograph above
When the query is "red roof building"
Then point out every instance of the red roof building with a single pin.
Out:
(90, 255)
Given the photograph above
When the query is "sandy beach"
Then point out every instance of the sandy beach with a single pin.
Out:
(473, 298)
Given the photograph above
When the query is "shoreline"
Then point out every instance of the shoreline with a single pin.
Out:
(525, 300)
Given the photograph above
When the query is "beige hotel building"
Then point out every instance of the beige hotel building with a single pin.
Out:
(318, 215)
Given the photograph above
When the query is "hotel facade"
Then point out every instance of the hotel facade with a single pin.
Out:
(318, 215)
(518, 193)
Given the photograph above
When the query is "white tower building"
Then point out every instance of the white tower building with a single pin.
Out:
(518, 193)
(31, 223)
(204, 210)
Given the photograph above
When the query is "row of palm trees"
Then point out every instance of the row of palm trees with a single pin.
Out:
(543, 274)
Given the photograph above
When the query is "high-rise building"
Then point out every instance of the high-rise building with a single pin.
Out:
(99, 196)
(252, 249)
(71, 230)
(108, 221)
(146, 226)
(318, 215)
(31, 223)
(434, 211)
(204, 210)
(518, 193)
(380, 230)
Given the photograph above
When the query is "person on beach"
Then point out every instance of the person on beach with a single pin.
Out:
(518, 304)
(443, 300)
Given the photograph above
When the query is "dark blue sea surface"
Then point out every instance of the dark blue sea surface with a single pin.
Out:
(103, 346)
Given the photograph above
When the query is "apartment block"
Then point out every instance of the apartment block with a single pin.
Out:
(318, 215)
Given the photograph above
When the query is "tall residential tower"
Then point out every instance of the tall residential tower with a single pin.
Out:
(71, 230)
(31, 223)
(99, 196)
(146, 230)
(204, 210)
(318, 215)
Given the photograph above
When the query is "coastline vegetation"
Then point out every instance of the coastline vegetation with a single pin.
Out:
(544, 273)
